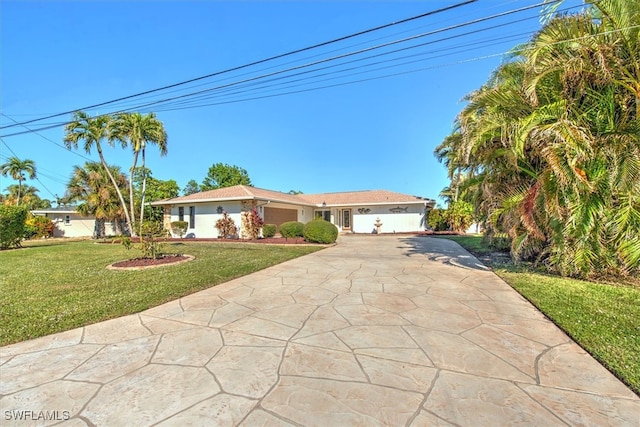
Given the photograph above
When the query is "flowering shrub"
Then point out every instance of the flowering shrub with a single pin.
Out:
(226, 227)
(251, 224)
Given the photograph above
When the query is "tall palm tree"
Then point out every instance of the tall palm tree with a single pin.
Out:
(16, 169)
(92, 130)
(138, 130)
(92, 187)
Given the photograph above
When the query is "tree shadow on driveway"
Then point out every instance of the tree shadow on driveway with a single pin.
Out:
(441, 250)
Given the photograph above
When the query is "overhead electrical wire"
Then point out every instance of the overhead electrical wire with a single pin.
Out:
(314, 63)
(380, 27)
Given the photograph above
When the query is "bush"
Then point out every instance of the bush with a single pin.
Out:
(320, 231)
(226, 227)
(292, 229)
(12, 224)
(179, 227)
(438, 219)
(251, 224)
(150, 246)
(269, 230)
(38, 226)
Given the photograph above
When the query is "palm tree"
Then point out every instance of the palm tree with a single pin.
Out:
(92, 130)
(28, 197)
(138, 130)
(91, 186)
(16, 168)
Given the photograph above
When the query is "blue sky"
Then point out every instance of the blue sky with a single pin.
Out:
(58, 56)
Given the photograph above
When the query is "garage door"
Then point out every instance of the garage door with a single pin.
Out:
(277, 216)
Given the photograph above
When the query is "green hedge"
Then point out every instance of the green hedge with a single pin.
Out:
(12, 223)
(269, 230)
(292, 229)
(320, 231)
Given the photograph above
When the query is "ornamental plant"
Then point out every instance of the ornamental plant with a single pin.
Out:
(320, 231)
(12, 220)
(292, 229)
(251, 224)
(38, 226)
(269, 230)
(226, 227)
(179, 227)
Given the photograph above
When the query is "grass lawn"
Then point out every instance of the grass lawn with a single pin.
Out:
(53, 286)
(603, 318)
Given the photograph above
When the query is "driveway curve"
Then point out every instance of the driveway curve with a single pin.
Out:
(377, 330)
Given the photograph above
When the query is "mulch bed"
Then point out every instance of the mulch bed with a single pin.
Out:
(146, 262)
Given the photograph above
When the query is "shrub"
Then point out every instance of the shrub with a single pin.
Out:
(226, 226)
(292, 229)
(150, 232)
(38, 226)
(12, 222)
(438, 219)
(320, 231)
(460, 215)
(179, 227)
(269, 230)
(251, 224)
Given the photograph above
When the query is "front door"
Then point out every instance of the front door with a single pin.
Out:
(346, 219)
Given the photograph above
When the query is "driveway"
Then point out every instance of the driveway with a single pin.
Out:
(378, 330)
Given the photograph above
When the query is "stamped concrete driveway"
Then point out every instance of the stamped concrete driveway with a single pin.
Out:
(378, 330)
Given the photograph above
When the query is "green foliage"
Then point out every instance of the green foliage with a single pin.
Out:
(222, 175)
(548, 150)
(460, 215)
(438, 220)
(38, 226)
(251, 224)
(226, 227)
(12, 225)
(320, 231)
(179, 227)
(292, 229)
(269, 230)
(192, 187)
(150, 245)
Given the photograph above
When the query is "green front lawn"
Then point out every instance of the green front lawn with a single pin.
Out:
(53, 286)
(603, 318)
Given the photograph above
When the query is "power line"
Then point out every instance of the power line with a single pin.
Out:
(339, 39)
(245, 82)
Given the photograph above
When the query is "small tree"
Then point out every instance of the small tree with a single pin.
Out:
(251, 224)
(460, 215)
(226, 226)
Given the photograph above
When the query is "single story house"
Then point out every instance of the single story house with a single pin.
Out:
(67, 222)
(353, 211)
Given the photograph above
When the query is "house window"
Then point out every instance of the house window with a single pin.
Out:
(192, 217)
(181, 213)
(67, 220)
(326, 215)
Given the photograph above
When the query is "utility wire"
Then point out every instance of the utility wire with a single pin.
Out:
(412, 18)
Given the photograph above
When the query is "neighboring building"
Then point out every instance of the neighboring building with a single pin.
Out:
(69, 223)
(354, 211)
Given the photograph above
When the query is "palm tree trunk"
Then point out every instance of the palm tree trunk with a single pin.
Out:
(19, 192)
(131, 204)
(144, 189)
(115, 185)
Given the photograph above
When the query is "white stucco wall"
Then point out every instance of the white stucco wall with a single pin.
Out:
(402, 222)
(206, 217)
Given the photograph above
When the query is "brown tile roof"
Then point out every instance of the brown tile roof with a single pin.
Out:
(348, 198)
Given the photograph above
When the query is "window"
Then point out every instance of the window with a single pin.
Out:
(67, 220)
(192, 217)
(181, 213)
(326, 215)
